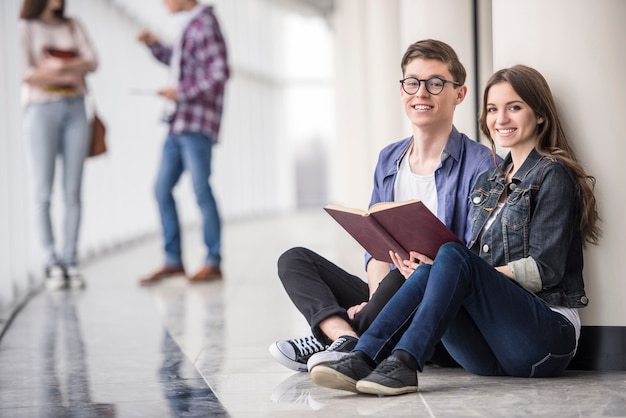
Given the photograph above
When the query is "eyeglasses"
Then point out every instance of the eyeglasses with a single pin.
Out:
(434, 85)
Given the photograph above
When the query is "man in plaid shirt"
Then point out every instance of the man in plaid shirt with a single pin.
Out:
(198, 74)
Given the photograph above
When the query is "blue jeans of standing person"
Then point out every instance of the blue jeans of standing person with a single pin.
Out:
(489, 324)
(191, 152)
(56, 128)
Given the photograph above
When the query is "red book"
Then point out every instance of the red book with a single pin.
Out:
(397, 226)
(61, 53)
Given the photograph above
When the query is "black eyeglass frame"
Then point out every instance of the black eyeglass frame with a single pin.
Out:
(419, 83)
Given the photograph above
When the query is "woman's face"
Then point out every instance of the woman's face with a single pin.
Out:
(54, 5)
(511, 122)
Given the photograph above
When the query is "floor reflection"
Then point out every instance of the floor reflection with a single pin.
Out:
(64, 380)
(186, 392)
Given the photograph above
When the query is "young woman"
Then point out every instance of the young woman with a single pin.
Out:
(508, 304)
(56, 55)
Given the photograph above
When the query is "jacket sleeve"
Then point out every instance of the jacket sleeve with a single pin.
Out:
(554, 218)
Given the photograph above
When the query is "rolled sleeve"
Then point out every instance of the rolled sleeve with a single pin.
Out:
(526, 274)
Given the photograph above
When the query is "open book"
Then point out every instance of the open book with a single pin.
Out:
(397, 226)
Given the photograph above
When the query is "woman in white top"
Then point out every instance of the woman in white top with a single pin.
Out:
(56, 56)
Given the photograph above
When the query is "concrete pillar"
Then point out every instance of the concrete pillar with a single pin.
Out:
(370, 39)
(578, 46)
(367, 60)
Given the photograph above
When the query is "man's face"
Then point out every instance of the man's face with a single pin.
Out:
(426, 110)
(174, 6)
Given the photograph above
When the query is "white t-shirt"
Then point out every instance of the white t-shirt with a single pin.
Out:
(413, 186)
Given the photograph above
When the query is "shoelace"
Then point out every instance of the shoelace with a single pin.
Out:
(389, 366)
(337, 343)
(307, 345)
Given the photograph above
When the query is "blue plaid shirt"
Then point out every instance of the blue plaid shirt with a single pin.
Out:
(203, 75)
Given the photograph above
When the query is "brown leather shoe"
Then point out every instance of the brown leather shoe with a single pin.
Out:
(206, 274)
(162, 273)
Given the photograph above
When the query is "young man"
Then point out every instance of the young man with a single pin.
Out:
(437, 165)
(199, 71)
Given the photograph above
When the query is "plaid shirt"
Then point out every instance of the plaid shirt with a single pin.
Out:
(203, 75)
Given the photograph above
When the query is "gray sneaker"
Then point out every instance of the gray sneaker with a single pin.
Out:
(75, 278)
(391, 377)
(340, 348)
(294, 354)
(55, 278)
(342, 374)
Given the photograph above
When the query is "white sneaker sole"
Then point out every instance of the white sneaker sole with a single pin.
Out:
(365, 386)
(330, 378)
(55, 284)
(324, 357)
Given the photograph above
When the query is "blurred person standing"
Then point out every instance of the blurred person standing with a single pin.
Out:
(56, 56)
(198, 75)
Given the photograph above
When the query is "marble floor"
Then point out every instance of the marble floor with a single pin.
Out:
(180, 350)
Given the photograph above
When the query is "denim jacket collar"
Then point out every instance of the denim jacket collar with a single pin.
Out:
(529, 164)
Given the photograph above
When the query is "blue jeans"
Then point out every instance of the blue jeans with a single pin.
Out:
(192, 152)
(55, 128)
(489, 324)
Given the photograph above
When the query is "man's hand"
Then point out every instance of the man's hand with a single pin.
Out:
(353, 310)
(146, 38)
(170, 93)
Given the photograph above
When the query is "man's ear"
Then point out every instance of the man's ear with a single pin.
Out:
(461, 92)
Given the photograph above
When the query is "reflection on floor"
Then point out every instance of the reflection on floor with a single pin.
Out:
(181, 350)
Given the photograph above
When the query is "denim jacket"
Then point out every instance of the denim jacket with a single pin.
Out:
(537, 231)
(463, 160)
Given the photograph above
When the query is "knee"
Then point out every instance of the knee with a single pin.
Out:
(451, 249)
(161, 192)
(289, 259)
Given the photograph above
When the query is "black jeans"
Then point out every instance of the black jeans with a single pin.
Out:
(320, 289)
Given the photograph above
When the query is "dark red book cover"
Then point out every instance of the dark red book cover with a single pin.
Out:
(61, 53)
(397, 226)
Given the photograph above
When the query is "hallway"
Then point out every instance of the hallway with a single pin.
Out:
(177, 350)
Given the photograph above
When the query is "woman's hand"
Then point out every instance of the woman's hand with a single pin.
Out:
(52, 64)
(352, 311)
(407, 267)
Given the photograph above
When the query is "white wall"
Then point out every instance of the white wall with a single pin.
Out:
(15, 230)
(583, 57)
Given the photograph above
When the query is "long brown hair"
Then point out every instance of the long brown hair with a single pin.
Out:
(552, 142)
(32, 9)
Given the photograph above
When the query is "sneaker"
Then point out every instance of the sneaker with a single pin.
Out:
(342, 374)
(75, 278)
(340, 348)
(294, 354)
(391, 377)
(55, 278)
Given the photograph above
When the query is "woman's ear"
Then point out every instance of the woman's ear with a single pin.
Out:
(540, 120)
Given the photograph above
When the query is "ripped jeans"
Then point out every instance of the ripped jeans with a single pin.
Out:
(490, 325)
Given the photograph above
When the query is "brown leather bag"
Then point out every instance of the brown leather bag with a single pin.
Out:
(98, 134)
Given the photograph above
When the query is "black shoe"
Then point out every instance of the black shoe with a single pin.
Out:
(295, 353)
(391, 377)
(342, 374)
(340, 348)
